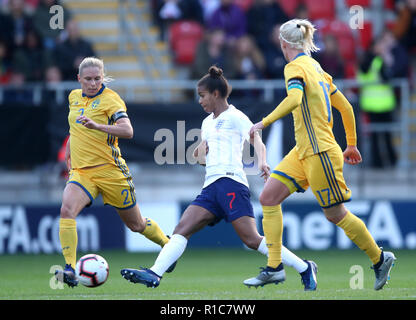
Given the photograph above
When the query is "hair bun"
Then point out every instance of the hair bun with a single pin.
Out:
(215, 72)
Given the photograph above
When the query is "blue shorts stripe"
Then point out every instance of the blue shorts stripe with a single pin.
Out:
(328, 178)
(280, 173)
(83, 188)
(333, 175)
(333, 178)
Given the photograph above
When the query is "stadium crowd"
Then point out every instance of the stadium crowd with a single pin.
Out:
(239, 36)
(32, 51)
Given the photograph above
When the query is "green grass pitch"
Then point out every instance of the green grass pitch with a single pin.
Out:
(208, 274)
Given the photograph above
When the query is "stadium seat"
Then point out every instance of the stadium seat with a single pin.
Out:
(366, 35)
(244, 4)
(346, 41)
(362, 3)
(390, 25)
(184, 37)
(323, 9)
(389, 4)
(289, 6)
(347, 47)
(350, 70)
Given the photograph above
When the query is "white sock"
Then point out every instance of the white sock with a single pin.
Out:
(288, 257)
(170, 253)
(263, 247)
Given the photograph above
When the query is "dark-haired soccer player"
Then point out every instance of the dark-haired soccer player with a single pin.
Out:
(225, 194)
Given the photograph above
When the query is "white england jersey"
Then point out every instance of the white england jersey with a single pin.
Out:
(225, 137)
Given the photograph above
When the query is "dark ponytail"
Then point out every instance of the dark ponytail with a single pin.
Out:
(215, 80)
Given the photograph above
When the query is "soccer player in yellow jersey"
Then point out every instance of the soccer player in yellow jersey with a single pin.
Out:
(317, 160)
(97, 118)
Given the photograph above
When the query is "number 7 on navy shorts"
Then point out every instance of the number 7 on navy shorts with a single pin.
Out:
(227, 199)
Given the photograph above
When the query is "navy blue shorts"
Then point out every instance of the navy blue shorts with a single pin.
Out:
(227, 199)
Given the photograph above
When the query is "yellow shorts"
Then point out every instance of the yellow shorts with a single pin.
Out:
(322, 172)
(113, 182)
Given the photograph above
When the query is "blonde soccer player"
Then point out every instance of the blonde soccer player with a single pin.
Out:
(316, 161)
(97, 119)
(225, 194)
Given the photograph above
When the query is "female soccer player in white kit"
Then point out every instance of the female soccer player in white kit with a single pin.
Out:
(225, 194)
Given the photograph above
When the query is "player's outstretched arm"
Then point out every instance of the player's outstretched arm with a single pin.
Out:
(339, 102)
(293, 100)
(351, 154)
(260, 150)
(201, 152)
(68, 154)
(121, 129)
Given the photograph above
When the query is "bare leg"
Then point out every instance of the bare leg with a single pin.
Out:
(133, 219)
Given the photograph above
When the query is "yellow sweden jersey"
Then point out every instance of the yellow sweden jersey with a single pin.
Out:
(91, 147)
(313, 119)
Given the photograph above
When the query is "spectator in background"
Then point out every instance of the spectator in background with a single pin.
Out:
(169, 11)
(212, 51)
(301, 11)
(31, 59)
(249, 60)
(386, 60)
(14, 25)
(5, 67)
(329, 57)
(275, 61)
(70, 53)
(261, 18)
(41, 20)
(231, 18)
(53, 75)
(208, 7)
(405, 26)
(249, 64)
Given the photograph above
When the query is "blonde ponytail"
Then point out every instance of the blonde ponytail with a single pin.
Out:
(299, 34)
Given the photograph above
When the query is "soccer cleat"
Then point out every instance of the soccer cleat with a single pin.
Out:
(382, 272)
(267, 275)
(309, 276)
(144, 276)
(67, 276)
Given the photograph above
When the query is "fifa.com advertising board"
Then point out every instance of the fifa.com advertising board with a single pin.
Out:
(35, 229)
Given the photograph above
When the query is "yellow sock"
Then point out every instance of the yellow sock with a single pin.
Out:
(69, 240)
(273, 231)
(153, 232)
(356, 230)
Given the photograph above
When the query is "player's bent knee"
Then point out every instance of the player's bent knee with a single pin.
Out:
(136, 227)
(67, 212)
(251, 243)
(267, 199)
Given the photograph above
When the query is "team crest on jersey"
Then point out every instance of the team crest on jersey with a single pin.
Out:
(219, 124)
(95, 103)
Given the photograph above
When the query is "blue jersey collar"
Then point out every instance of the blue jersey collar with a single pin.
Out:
(98, 93)
(299, 54)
